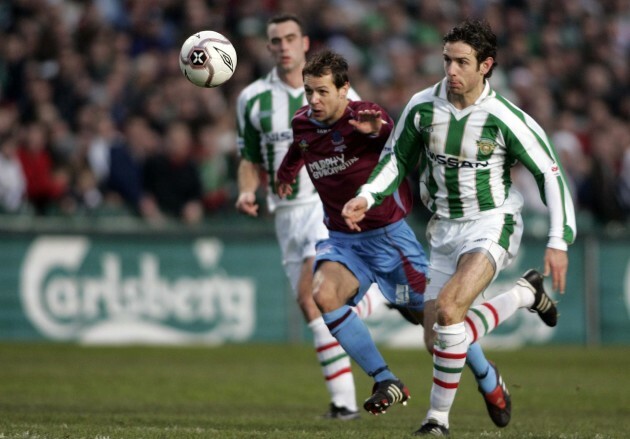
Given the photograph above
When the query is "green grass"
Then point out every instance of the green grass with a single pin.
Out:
(276, 391)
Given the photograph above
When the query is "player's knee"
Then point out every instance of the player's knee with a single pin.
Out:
(324, 300)
(447, 313)
(323, 296)
(324, 293)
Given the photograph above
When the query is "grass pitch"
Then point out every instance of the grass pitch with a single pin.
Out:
(276, 391)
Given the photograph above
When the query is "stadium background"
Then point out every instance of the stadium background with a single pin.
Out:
(82, 261)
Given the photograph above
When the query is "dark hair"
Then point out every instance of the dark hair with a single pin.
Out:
(325, 62)
(281, 18)
(478, 35)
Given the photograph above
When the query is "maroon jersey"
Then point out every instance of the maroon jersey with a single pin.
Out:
(339, 160)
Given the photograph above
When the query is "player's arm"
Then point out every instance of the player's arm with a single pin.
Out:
(248, 174)
(248, 178)
(288, 170)
(531, 147)
(562, 226)
(399, 157)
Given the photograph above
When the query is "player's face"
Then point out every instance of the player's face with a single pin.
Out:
(287, 45)
(464, 74)
(327, 102)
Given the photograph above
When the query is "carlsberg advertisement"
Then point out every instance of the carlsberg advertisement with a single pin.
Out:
(145, 289)
(71, 290)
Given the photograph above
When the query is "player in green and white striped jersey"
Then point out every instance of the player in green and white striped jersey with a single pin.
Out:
(264, 112)
(465, 137)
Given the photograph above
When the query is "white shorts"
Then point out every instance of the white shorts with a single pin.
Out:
(298, 228)
(497, 235)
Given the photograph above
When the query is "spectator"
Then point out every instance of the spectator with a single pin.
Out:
(12, 181)
(570, 150)
(172, 185)
(624, 181)
(123, 184)
(604, 178)
(214, 168)
(44, 184)
(61, 59)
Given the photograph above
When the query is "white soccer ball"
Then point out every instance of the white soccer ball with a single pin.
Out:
(207, 59)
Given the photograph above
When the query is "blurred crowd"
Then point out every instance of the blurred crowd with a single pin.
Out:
(96, 116)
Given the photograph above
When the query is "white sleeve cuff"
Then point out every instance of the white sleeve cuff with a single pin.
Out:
(368, 196)
(557, 243)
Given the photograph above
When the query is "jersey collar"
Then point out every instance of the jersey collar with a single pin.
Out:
(274, 78)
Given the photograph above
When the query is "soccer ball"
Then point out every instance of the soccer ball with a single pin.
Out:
(207, 59)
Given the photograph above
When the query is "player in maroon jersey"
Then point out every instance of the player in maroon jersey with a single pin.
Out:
(339, 151)
(339, 142)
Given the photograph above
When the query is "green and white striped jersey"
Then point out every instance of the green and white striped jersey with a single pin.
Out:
(264, 112)
(465, 158)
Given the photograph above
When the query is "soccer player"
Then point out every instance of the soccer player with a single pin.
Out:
(466, 136)
(264, 113)
(339, 141)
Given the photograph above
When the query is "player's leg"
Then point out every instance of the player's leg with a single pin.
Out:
(446, 240)
(479, 320)
(398, 261)
(528, 293)
(334, 286)
(334, 361)
(498, 238)
(486, 374)
(489, 382)
(298, 229)
(475, 358)
(473, 274)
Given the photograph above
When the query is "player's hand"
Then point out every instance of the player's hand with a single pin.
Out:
(353, 212)
(367, 122)
(246, 203)
(283, 189)
(556, 264)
